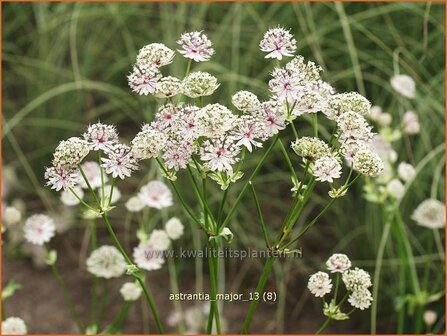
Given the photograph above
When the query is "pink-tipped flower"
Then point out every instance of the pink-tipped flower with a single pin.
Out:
(101, 136)
(219, 154)
(143, 79)
(196, 46)
(278, 42)
(156, 195)
(61, 178)
(39, 229)
(119, 161)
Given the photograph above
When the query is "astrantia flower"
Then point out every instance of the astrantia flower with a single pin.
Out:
(14, 326)
(304, 71)
(404, 85)
(410, 122)
(326, 169)
(166, 115)
(11, 215)
(147, 257)
(159, 240)
(246, 131)
(347, 102)
(278, 42)
(319, 284)
(143, 79)
(119, 161)
(395, 189)
(188, 126)
(101, 136)
(155, 54)
(430, 317)
(313, 98)
(147, 144)
(354, 126)
(62, 178)
(174, 228)
(310, 148)
(406, 171)
(368, 163)
(39, 229)
(69, 199)
(356, 279)
(385, 119)
(246, 101)
(285, 85)
(273, 118)
(131, 291)
(134, 204)
(156, 194)
(219, 154)
(360, 299)
(375, 112)
(196, 46)
(177, 155)
(350, 147)
(106, 262)
(430, 213)
(338, 263)
(70, 153)
(198, 84)
(383, 148)
(168, 87)
(215, 120)
(93, 173)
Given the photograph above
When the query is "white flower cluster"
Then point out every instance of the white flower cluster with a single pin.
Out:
(356, 281)
(14, 326)
(131, 291)
(430, 214)
(106, 262)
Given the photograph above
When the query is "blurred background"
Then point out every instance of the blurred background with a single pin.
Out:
(65, 66)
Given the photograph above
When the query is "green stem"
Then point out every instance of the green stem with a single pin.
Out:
(287, 157)
(221, 207)
(214, 266)
(259, 289)
(101, 169)
(315, 124)
(119, 319)
(94, 298)
(151, 305)
(88, 185)
(260, 216)
(337, 283)
(323, 326)
(244, 188)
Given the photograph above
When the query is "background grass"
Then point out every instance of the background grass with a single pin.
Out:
(65, 65)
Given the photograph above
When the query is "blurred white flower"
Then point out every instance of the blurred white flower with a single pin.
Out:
(93, 173)
(196, 46)
(278, 42)
(14, 326)
(159, 240)
(106, 262)
(430, 213)
(174, 228)
(404, 85)
(69, 199)
(396, 189)
(430, 317)
(375, 112)
(147, 257)
(131, 291)
(326, 169)
(11, 215)
(134, 204)
(338, 263)
(406, 171)
(383, 148)
(319, 284)
(360, 299)
(39, 229)
(156, 194)
(385, 119)
(410, 122)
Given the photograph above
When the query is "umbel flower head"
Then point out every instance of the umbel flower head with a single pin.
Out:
(39, 229)
(219, 154)
(61, 178)
(356, 279)
(310, 148)
(368, 163)
(319, 284)
(155, 54)
(174, 228)
(119, 161)
(147, 144)
(70, 153)
(215, 120)
(101, 136)
(168, 87)
(196, 46)
(14, 326)
(278, 42)
(347, 102)
(326, 169)
(338, 263)
(404, 85)
(131, 291)
(106, 262)
(354, 126)
(430, 214)
(360, 299)
(246, 101)
(159, 240)
(144, 78)
(198, 84)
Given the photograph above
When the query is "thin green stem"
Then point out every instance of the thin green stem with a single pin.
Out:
(81, 200)
(151, 305)
(260, 216)
(323, 326)
(94, 298)
(287, 157)
(89, 186)
(221, 207)
(214, 267)
(101, 169)
(337, 284)
(315, 124)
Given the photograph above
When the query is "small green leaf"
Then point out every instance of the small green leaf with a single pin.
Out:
(51, 257)
(10, 289)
